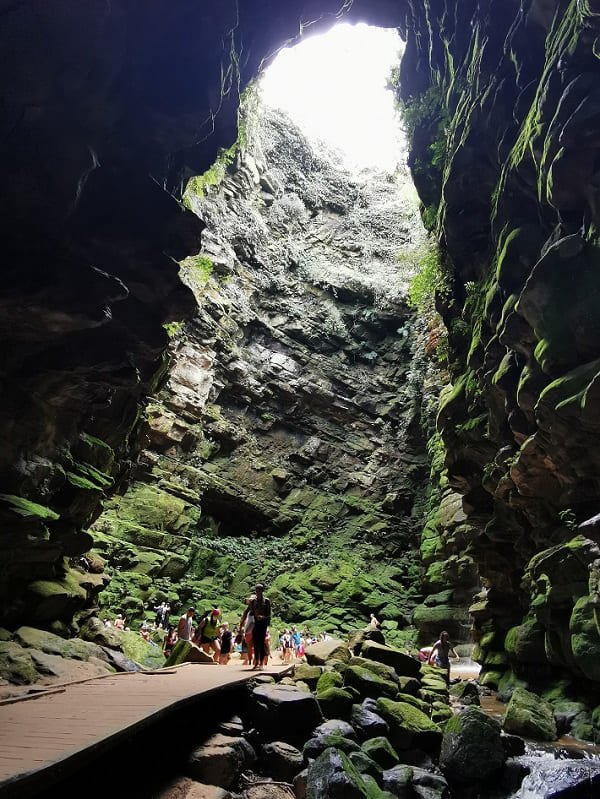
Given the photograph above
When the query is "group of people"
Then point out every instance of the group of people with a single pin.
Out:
(214, 636)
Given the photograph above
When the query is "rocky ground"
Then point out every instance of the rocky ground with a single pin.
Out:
(365, 720)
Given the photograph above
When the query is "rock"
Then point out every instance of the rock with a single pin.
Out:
(319, 743)
(233, 726)
(367, 723)
(186, 652)
(381, 751)
(404, 665)
(308, 674)
(281, 761)
(365, 764)
(472, 748)
(54, 644)
(184, 788)
(281, 712)
(335, 726)
(16, 664)
(318, 654)
(335, 703)
(220, 760)
(332, 776)
(380, 669)
(329, 679)
(409, 685)
(368, 684)
(466, 692)
(94, 630)
(267, 791)
(513, 745)
(528, 715)
(359, 637)
(300, 784)
(398, 781)
(409, 726)
(429, 786)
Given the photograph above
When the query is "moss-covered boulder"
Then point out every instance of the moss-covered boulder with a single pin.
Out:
(528, 715)
(186, 652)
(333, 774)
(381, 751)
(308, 674)
(409, 726)
(335, 703)
(472, 747)
(367, 723)
(16, 665)
(401, 662)
(329, 679)
(525, 643)
(380, 669)
(319, 743)
(368, 684)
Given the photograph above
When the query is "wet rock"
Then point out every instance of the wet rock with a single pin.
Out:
(366, 765)
(220, 760)
(281, 761)
(429, 786)
(528, 715)
(332, 776)
(398, 781)
(300, 784)
(513, 745)
(472, 748)
(367, 723)
(233, 726)
(319, 743)
(466, 692)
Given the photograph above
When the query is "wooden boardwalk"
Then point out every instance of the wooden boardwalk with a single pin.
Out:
(60, 728)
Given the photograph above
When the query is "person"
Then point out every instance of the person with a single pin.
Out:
(145, 632)
(260, 607)
(440, 652)
(170, 640)
(424, 653)
(247, 630)
(207, 634)
(296, 639)
(287, 647)
(166, 616)
(226, 644)
(374, 623)
(120, 622)
(267, 648)
(185, 625)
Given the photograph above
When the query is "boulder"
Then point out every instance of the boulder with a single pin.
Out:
(308, 674)
(16, 665)
(301, 784)
(282, 712)
(397, 781)
(381, 751)
(319, 743)
(409, 726)
(318, 654)
(281, 761)
(404, 665)
(335, 703)
(472, 748)
(409, 685)
(359, 637)
(527, 714)
(220, 760)
(93, 630)
(335, 726)
(426, 785)
(365, 764)
(467, 693)
(368, 684)
(333, 776)
(186, 652)
(367, 723)
(380, 669)
(329, 679)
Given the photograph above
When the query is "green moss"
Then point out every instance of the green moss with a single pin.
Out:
(27, 508)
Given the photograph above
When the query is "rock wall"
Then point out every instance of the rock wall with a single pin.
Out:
(504, 105)
(285, 444)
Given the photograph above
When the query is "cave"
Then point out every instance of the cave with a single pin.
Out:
(149, 439)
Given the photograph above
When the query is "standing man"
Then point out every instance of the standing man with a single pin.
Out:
(185, 626)
(261, 610)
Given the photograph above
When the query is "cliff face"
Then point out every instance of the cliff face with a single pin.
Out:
(505, 115)
(285, 445)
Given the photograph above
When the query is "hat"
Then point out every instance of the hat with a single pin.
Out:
(216, 612)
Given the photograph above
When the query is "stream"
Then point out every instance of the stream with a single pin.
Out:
(563, 769)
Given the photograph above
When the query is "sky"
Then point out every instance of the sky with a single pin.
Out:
(333, 87)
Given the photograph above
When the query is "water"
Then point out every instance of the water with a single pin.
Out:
(554, 774)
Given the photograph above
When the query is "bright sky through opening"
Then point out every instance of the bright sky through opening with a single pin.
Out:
(334, 88)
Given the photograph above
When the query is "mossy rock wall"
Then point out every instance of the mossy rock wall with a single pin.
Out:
(500, 107)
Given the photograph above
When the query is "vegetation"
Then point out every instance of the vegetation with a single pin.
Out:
(429, 280)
